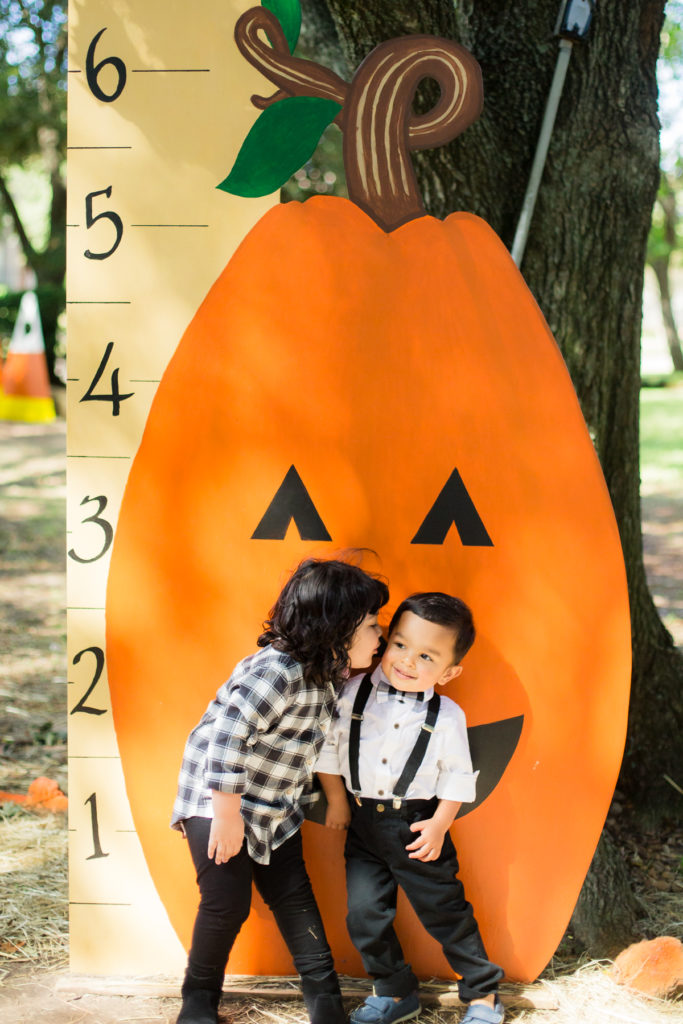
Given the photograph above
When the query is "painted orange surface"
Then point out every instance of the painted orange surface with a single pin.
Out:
(376, 364)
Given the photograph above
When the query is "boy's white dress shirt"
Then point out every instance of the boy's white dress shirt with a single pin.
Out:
(390, 727)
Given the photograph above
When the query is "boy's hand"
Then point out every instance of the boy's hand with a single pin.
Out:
(428, 844)
(338, 814)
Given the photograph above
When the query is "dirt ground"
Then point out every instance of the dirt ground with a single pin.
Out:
(33, 896)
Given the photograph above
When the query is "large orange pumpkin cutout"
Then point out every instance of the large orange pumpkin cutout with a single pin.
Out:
(347, 385)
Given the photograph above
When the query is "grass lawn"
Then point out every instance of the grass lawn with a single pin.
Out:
(661, 438)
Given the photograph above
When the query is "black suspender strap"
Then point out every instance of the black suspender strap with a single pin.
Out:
(418, 752)
(416, 755)
(364, 691)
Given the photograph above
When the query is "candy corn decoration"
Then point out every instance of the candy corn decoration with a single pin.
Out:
(24, 385)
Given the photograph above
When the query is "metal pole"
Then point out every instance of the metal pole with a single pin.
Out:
(551, 106)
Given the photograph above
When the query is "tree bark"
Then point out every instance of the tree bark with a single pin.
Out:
(604, 919)
(584, 259)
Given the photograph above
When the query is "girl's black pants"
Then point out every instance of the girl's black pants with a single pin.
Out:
(225, 900)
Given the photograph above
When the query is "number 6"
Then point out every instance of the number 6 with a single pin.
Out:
(92, 70)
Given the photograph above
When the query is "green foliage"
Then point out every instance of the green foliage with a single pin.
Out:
(288, 13)
(323, 174)
(666, 231)
(280, 141)
(33, 76)
(33, 45)
(671, 49)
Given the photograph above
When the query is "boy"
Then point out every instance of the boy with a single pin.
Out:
(402, 751)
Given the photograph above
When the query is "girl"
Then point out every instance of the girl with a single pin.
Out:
(245, 767)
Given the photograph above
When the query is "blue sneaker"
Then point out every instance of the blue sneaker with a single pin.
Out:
(385, 1010)
(482, 1014)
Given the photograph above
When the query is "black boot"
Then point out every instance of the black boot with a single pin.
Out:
(200, 1006)
(323, 1000)
(326, 1009)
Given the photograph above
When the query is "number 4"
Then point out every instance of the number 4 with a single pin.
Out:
(114, 396)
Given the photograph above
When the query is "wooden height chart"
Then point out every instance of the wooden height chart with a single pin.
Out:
(158, 107)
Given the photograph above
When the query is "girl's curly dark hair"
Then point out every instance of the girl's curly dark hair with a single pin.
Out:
(317, 613)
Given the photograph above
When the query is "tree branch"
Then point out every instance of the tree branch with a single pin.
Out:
(28, 250)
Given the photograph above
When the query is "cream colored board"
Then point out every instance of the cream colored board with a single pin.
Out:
(119, 939)
(107, 871)
(91, 727)
(94, 491)
(160, 148)
(90, 429)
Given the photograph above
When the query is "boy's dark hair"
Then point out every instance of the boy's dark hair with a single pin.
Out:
(318, 611)
(443, 610)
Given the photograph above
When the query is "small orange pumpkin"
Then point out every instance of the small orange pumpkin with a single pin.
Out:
(347, 385)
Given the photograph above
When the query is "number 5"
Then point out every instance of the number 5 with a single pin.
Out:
(91, 218)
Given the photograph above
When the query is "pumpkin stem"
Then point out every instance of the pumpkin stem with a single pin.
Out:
(292, 75)
(379, 125)
(380, 128)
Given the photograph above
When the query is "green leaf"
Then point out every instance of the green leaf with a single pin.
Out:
(279, 143)
(288, 13)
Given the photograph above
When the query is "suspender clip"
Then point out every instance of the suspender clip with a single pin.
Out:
(396, 803)
(356, 797)
(356, 718)
(427, 728)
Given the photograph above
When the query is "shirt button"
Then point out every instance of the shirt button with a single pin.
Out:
(381, 792)
(380, 807)
(396, 726)
(384, 760)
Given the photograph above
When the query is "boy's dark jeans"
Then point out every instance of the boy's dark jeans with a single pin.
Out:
(376, 864)
(224, 907)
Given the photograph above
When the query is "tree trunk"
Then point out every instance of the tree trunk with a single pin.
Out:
(661, 269)
(47, 265)
(585, 255)
(604, 918)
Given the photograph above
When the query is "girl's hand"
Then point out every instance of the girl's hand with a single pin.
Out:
(227, 827)
(338, 814)
(226, 838)
(428, 844)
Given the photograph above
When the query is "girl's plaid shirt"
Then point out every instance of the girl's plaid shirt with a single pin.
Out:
(259, 737)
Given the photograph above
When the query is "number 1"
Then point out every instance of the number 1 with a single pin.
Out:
(99, 852)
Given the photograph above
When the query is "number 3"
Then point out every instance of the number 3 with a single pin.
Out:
(102, 523)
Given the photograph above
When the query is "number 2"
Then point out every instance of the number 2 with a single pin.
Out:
(86, 709)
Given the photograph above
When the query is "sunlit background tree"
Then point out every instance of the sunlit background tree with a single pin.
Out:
(32, 161)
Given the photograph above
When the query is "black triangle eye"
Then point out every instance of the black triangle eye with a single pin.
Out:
(453, 505)
(291, 501)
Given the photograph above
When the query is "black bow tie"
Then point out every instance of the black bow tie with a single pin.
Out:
(385, 691)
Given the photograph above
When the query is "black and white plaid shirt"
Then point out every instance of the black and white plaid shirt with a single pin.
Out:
(259, 737)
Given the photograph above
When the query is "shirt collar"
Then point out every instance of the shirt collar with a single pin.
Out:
(384, 691)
